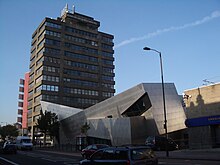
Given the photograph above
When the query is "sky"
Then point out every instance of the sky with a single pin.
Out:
(187, 33)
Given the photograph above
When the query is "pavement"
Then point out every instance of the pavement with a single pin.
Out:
(199, 154)
(187, 154)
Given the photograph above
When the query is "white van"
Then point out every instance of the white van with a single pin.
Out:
(24, 143)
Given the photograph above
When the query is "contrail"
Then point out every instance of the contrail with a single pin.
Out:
(213, 15)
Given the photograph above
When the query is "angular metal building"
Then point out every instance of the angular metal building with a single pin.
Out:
(127, 118)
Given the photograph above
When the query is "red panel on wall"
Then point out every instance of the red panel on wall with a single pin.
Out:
(25, 101)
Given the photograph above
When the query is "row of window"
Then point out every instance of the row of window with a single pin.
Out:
(80, 56)
(107, 78)
(47, 78)
(80, 73)
(51, 78)
(107, 70)
(71, 100)
(108, 85)
(51, 69)
(53, 25)
(106, 39)
(50, 97)
(52, 60)
(52, 42)
(81, 48)
(80, 82)
(52, 33)
(105, 46)
(81, 32)
(81, 40)
(107, 94)
(81, 65)
(53, 88)
(51, 51)
(81, 91)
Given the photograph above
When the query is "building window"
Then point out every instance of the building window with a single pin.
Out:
(53, 88)
(107, 85)
(81, 48)
(80, 82)
(107, 94)
(107, 70)
(105, 46)
(51, 78)
(50, 97)
(52, 33)
(81, 65)
(81, 40)
(52, 42)
(40, 44)
(107, 62)
(81, 91)
(51, 69)
(80, 74)
(80, 32)
(51, 51)
(106, 54)
(52, 60)
(38, 79)
(107, 78)
(53, 25)
(82, 57)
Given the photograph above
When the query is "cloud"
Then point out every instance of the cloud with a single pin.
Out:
(213, 15)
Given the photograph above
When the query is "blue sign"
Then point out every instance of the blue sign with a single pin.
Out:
(203, 121)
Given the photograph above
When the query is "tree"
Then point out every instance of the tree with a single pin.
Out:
(54, 127)
(8, 130)
(49, 125)
(85, 128)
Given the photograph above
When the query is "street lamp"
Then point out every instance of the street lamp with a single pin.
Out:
(164, 103)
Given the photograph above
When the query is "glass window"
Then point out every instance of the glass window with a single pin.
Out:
(97, 156)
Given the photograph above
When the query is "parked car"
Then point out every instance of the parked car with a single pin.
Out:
(9, 148)
(130, 155)
(89, 150)
(24, 143)
(159, 143)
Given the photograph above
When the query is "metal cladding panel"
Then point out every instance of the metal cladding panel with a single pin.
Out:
(124, 130)
(174, 110)
(62, 111)
(115, 105)
(118, 130)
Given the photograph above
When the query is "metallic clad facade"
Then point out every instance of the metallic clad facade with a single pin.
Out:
(107, 121)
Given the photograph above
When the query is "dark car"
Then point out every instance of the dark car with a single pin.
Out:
(133, 155)
(9, 148)
(159, 143)
(89, 150)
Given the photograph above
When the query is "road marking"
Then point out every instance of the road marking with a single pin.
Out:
(13, 163)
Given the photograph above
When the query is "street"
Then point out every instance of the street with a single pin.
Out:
(37, 157)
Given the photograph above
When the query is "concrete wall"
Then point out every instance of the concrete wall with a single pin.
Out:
(202, 102)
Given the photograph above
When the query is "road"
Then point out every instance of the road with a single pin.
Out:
(38, 158)
(44, 158)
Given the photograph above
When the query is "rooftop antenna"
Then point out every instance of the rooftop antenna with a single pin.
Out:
(207, 82)
(65, 10)
(73, 8)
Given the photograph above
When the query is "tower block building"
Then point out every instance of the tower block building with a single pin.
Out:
(71, 64)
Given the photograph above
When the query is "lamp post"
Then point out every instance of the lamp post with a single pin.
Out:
(164, 103)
